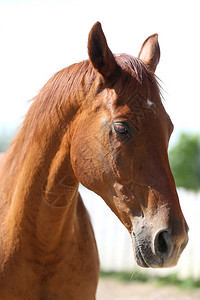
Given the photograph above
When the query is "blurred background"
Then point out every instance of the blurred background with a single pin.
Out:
(38, 38)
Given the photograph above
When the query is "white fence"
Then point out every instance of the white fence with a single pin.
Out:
(114, 242)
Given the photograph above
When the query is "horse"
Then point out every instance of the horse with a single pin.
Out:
(101, 123)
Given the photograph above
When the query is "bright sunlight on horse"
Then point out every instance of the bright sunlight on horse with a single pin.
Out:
(101, 123)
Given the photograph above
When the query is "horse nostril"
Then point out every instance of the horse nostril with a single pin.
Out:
(162, 243)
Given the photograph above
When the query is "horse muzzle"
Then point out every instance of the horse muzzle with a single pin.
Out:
(158, 250)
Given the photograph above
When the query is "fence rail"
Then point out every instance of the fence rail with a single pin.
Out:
(114, 242)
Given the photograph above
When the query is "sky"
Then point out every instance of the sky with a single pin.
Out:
(38, 38)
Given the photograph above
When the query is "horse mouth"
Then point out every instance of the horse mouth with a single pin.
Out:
(140, 259)
(144, 256)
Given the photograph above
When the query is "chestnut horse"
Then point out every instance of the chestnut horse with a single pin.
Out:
(100, 122)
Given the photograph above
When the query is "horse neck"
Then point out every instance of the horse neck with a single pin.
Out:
(43, 191)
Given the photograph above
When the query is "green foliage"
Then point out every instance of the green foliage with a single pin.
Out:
(184, 159)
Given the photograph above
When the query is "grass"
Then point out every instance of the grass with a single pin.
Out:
(188, 283)
(124, 276)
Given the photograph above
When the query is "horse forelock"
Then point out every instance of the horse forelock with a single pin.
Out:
(133, 66)
(137, 69)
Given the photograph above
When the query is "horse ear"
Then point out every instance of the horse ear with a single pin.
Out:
(100, 55)
(150, 52)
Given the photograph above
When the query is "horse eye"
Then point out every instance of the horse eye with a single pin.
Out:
(121, 128)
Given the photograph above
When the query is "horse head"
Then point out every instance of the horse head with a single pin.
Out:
(119, 149)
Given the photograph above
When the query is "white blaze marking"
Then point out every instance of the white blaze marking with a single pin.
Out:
(149, 102)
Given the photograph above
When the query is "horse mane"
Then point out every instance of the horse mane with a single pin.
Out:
(60, 89)
(62, 86)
